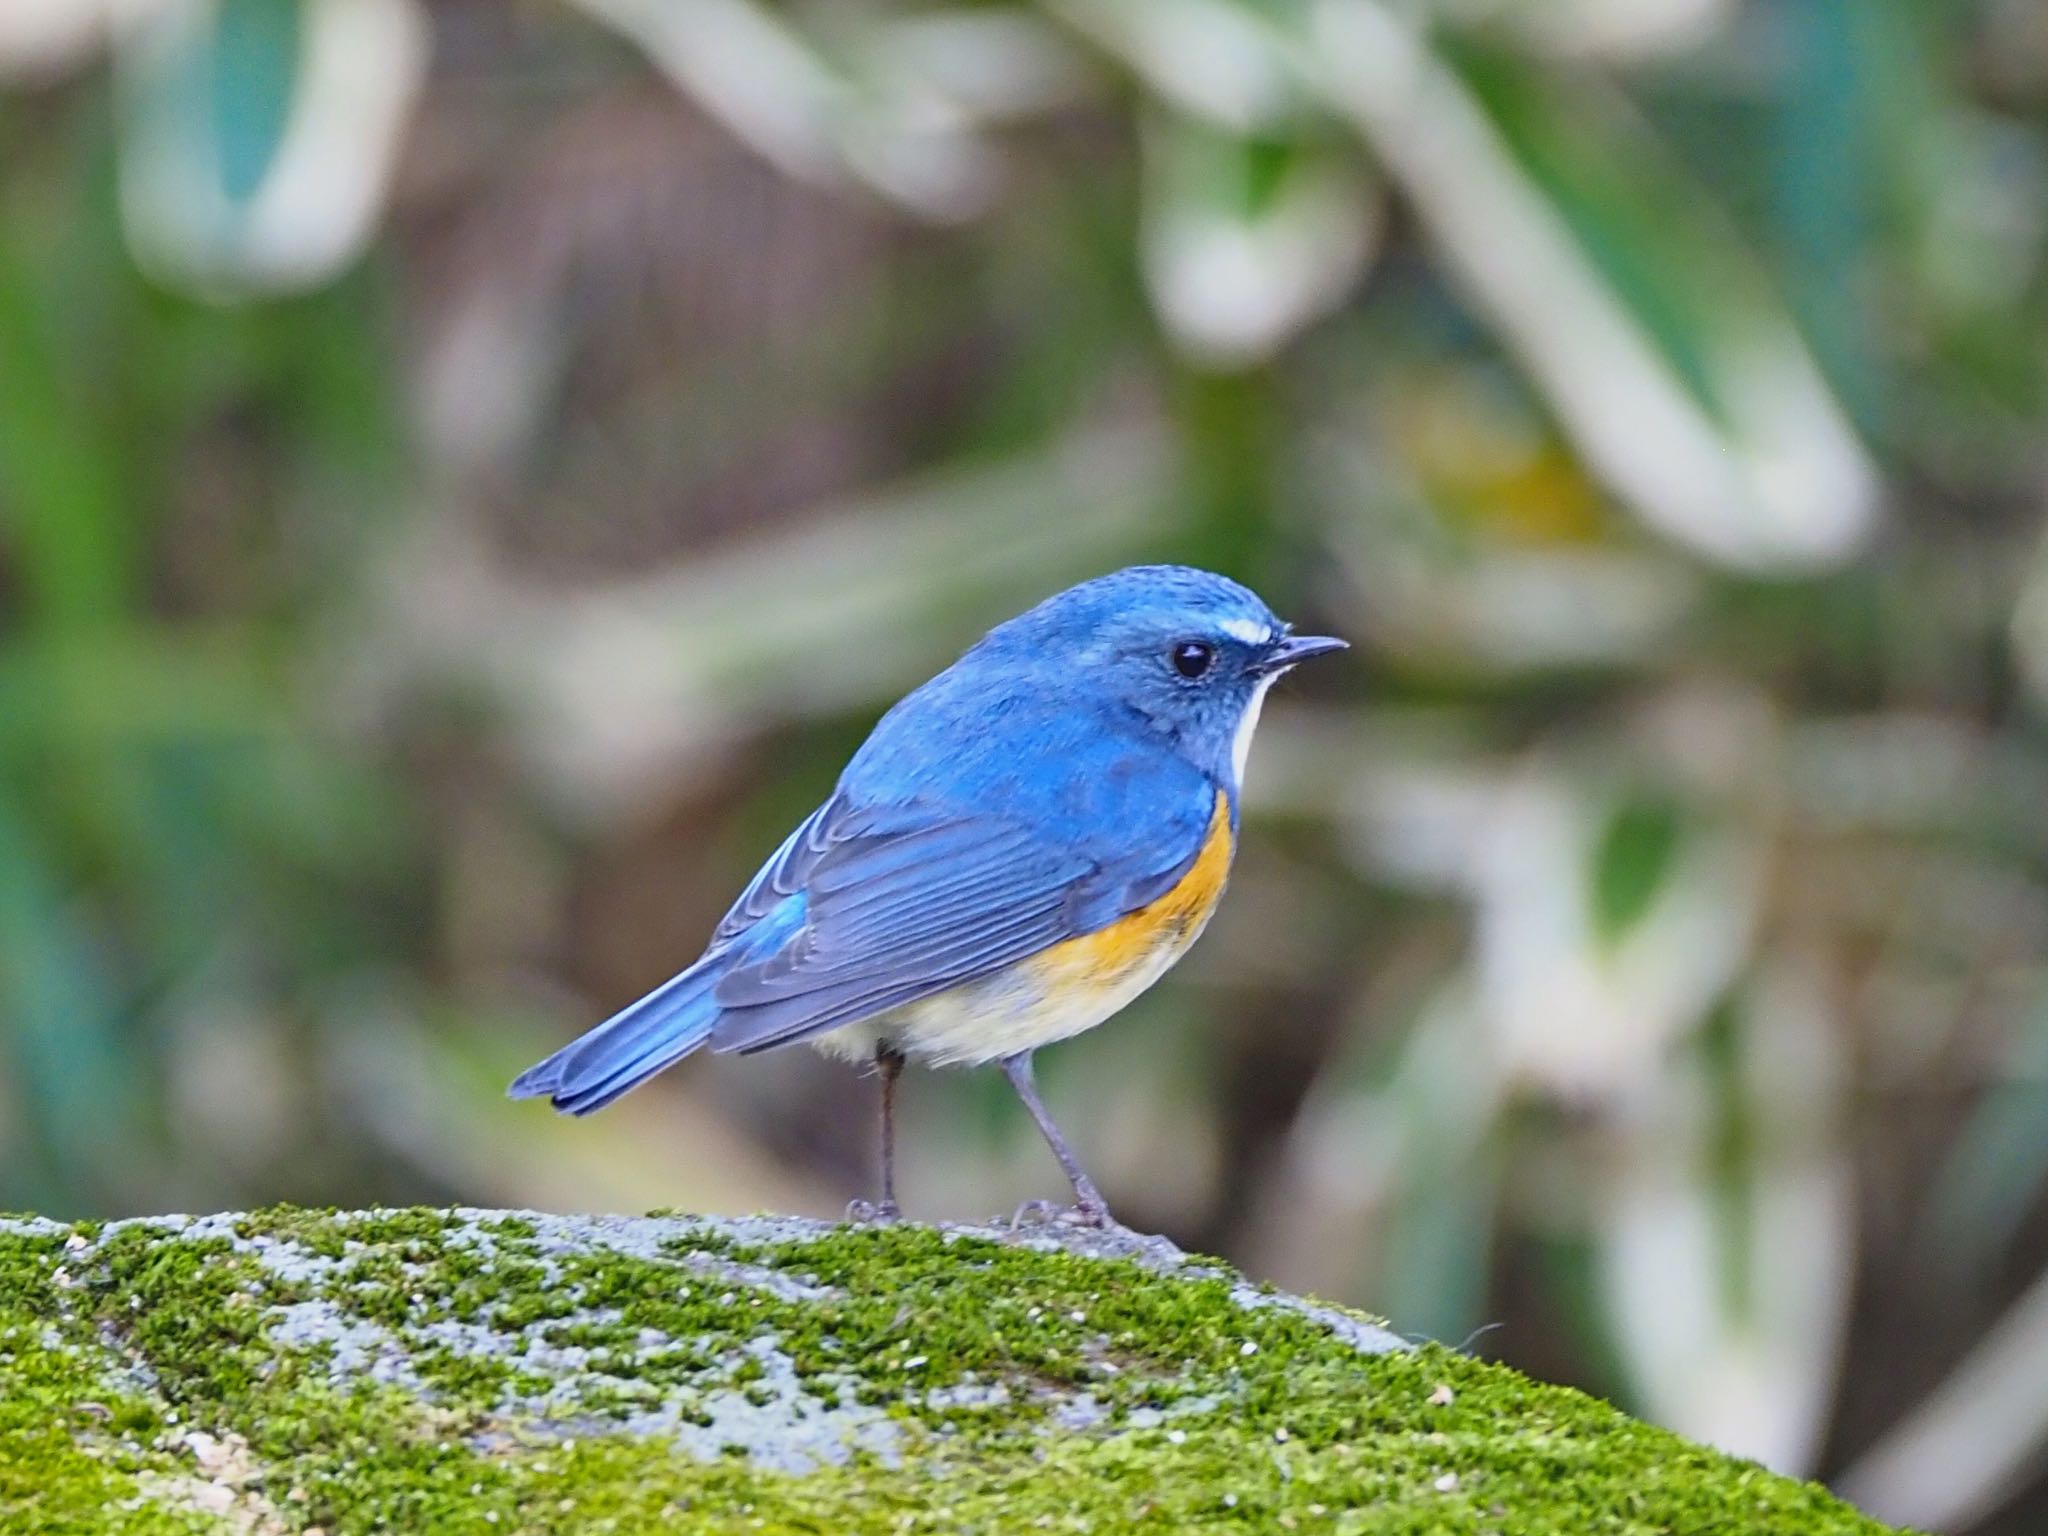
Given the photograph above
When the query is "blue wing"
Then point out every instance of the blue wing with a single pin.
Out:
(996, 856)
(949, 851)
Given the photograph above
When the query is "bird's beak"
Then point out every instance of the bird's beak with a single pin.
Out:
(1291, 650)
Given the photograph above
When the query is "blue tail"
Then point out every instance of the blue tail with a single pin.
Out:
(630, 1046)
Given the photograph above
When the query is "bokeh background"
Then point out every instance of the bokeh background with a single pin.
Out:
(470, 471)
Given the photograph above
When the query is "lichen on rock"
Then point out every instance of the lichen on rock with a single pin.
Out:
(430, 1371)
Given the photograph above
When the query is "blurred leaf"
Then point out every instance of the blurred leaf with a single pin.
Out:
(1433, 1245)
(1436, 1247)
(253, 65)
(61, 482)
(1634, 852)
(1213, 59)
(1641, 230)
(1996, 1166)
(1247, 242)
(1846, 77)
(1665, 354)
(258, 135)
(79, 1082)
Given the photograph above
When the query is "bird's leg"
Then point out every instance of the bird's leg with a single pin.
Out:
(889, 1062)
(1089, 1207)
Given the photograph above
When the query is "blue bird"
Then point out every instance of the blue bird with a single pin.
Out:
(1020, 848)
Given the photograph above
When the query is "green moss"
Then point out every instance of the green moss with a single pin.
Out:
(995, 1386)
(78, 1450)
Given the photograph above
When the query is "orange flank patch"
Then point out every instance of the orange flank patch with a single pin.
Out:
(1159, 931)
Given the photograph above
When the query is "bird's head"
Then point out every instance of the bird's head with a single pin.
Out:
(1187, 652)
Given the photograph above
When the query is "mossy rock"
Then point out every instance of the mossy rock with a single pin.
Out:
(428, 1371)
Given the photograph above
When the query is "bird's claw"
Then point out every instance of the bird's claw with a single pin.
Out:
(869, 1213)
(1086, 1213)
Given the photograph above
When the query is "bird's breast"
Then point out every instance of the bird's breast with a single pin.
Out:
(1168, 925)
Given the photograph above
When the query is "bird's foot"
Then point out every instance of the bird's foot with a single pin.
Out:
(1083, 1213)
(869, 1213)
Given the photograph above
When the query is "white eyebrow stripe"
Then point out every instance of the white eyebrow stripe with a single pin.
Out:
(1247, 631)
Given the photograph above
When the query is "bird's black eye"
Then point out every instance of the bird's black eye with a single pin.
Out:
(1191, 658)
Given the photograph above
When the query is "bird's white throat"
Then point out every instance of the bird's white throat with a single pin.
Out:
(1241, 745)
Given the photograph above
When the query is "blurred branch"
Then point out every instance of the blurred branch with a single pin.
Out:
(773, 90)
